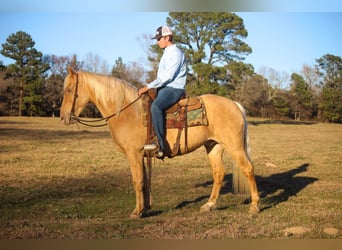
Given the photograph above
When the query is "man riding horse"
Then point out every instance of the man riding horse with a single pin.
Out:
(170, 84)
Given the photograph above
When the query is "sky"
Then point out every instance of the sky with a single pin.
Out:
(287, 40)
(282, 40)
(109, 35)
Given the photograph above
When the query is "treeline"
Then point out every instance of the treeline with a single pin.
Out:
(215, 49)
(33, 84)
(314, 93)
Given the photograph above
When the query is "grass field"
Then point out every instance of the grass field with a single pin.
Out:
(59, 182)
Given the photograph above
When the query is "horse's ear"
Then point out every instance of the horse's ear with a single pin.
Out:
(70, 71)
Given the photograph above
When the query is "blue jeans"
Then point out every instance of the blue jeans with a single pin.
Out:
(166, 98)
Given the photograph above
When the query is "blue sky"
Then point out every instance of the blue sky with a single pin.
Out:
(287, 40)
(108, 35)
(281, 40)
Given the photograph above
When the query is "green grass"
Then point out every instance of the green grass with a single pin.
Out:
(60, 182)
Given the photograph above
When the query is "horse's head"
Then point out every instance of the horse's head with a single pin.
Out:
(75, 97)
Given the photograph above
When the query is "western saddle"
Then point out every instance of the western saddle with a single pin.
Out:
(184, 105)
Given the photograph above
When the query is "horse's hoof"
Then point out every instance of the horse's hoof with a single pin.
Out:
(207, 208)
(204, 209)
(135, 215)
(253, 210)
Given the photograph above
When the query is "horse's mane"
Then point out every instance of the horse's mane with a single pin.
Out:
(109, 89)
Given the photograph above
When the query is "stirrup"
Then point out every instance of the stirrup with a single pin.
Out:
(150, 147)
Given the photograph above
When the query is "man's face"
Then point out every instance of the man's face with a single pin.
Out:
(163, 41)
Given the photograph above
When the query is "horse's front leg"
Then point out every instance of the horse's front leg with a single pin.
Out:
(147, 190)
(140, 184)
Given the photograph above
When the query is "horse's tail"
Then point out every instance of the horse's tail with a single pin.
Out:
(240, 183)
(246, 136)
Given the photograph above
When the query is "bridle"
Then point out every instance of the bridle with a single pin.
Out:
(88, 122)
(72, 113)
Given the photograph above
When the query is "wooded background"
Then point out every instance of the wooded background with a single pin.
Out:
(215, 50)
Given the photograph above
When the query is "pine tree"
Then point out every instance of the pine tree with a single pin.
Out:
(119, 70)
(330, 68)
(27, 71)
(302, 103)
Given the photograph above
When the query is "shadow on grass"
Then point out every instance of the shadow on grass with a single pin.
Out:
(58, 188)
(48, 135)
(281, 122)
(6, 122)
(186, 203)
(273, 189)
(87, 197)
(278, 188)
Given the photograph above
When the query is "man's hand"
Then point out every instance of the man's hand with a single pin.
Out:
(142, 90)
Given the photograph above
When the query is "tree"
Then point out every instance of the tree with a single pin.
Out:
(253, 96)
(311, 77)
(280, 105)
(132, 73)
(330, 69)
(6, 94)
(210, 40)
(74, 63)
(28, 71)
(302, 97)
(238, 74)
(53, 87)
(154, 54)
(119, 69)
(94, 63)
(273, 85)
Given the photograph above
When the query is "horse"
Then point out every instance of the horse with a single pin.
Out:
(118, 101)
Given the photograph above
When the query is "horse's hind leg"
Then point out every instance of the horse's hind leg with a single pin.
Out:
(241, 159)
(215, 158)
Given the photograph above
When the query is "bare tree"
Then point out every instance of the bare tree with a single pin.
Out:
(311, 77)
(94, 63)
(275, 81)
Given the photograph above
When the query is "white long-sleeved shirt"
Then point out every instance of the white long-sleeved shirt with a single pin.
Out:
(171, 70)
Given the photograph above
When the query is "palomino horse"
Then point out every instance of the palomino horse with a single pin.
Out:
(119, 102)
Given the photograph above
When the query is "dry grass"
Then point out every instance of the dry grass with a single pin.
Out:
(64, 182)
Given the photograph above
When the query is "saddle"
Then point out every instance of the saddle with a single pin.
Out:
(187, 112)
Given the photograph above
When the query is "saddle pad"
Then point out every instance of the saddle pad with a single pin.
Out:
(196, 117)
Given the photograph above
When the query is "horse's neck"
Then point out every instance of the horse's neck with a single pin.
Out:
(113, 101)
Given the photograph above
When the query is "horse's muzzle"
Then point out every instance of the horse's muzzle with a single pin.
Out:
(66, 119)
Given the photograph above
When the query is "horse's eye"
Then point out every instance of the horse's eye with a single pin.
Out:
(68, 90)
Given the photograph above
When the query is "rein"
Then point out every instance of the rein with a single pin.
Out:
(88, 122)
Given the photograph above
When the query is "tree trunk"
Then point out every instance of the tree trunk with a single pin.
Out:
(20, 97)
